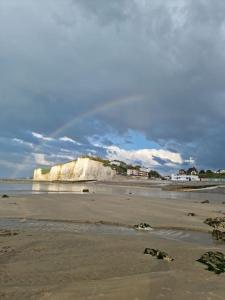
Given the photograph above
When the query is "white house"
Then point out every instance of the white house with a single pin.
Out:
(185, 177)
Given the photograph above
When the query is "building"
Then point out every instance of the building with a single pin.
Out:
(184, 177)
(132, 172)
(192, 171)
(182, 172)
(137, 173)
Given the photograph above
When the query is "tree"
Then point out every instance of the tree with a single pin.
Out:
(202, 172)
(153, 174)
(209, 172)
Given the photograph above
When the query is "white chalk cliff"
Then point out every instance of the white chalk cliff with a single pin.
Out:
(77, 170)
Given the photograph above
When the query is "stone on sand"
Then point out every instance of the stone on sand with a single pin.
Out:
(143, 226)
(158, 254)
(214, 260)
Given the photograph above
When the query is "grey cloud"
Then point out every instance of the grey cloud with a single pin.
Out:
(60, 59)
(107, 12)
(161, 161)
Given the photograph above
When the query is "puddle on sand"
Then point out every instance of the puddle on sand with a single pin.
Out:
(199, 238)
(58, 226)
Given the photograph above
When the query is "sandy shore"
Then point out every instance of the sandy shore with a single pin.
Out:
(67, 265)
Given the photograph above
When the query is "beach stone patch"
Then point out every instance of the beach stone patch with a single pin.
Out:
(205, 202)
(158, 254)
(214, 260)
(5, 232)
(5, 196)
(218, 235)
(218, 222)
(191, 214)
(143, 226)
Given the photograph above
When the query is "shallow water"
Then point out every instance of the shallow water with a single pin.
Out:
(199, 238)
(77, 188)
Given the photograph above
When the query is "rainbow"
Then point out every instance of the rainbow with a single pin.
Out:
(108, 105)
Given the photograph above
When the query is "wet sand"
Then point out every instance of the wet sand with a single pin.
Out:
(37, 264)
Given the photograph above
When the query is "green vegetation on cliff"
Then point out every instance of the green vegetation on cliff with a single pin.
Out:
(45, 171)
(119, 166)
(106, 162)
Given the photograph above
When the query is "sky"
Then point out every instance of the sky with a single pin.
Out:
(137, 80)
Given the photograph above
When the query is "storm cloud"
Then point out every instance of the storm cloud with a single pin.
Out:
(72, 59)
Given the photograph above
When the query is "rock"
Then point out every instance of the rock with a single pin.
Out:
(143, 226)
(164, 256)
(150, 251)
(85, 190)
(218, 222)
(219, 227)
(5, 196)
(5, 232)
(214, 260)
(158, 254)
(205, 201)
(191, 214)
(218, 235)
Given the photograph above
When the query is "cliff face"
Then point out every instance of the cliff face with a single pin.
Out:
(80, 169)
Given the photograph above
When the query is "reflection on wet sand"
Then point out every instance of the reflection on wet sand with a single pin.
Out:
(151, 192)
(59, 187)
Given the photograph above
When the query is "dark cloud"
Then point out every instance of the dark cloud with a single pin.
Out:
(107, 13)
(161, 161)
(62, 59)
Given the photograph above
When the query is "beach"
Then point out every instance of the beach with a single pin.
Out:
(88, 260)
